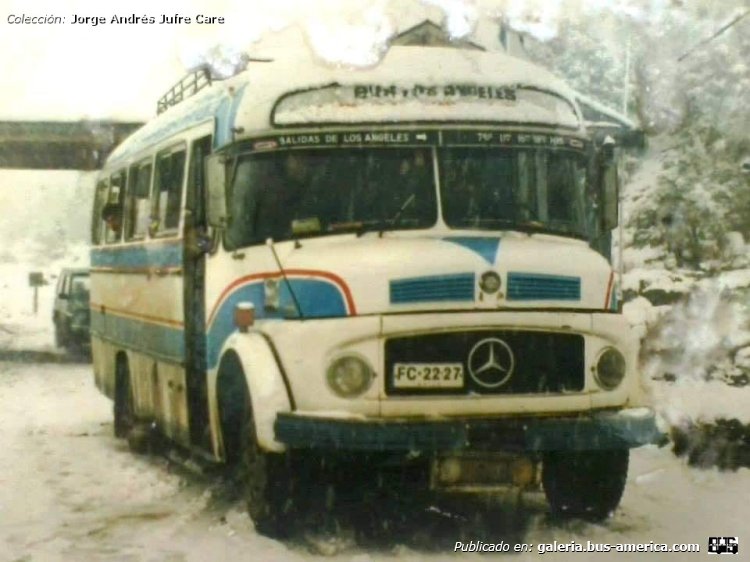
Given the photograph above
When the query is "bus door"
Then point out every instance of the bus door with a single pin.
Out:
(194, 296)
(165, 288)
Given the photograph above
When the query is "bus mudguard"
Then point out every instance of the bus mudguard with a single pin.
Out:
(263, 374)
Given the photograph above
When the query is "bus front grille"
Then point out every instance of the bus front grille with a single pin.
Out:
(485, 362)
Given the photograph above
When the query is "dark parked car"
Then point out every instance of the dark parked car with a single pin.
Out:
(71, 311)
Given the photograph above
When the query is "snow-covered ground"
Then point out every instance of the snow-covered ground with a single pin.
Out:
(20, 327)
(71, 491)
(45, 228)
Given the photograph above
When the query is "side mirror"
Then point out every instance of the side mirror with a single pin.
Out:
(216, 182)
(609, 184)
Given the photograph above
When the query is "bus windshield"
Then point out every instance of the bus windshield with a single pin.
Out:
(279, 195)
(536, 190)
(333, 190)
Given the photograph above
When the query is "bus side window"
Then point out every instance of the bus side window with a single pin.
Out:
(138, 201)
(196, 192)
(113, 222)
(170, 171)
(97, 223)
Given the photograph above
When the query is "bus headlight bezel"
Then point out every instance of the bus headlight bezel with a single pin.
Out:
(610, 368)
(349, 375)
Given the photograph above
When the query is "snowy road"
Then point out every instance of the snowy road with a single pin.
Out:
(70, 491)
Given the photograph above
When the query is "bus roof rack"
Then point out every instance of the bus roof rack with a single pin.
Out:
(190, 85)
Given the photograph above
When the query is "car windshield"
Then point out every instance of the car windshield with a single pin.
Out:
(537, 190)
(279, 194)
(79, 287)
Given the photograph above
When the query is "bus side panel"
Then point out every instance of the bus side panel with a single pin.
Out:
(103, 360)
(170, 391)
(144, 379)
(158, 387)
(137, 307)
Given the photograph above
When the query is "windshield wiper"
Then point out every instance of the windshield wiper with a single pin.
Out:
(536, 227)
(372, 226)
(393, 223)
(358, 227)
(528, 226)
(378, 225)
(397, 216)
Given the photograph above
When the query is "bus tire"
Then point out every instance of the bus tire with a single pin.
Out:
(124, 411)
(584, 484)
(268, 484)
(266, 480)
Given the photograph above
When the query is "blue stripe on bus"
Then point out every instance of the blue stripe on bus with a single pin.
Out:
(317, 299)
(486, 248)
(454, 287)
(225, 115)
(540, 286)
(161, 341)
(145, 255)
(167, 126)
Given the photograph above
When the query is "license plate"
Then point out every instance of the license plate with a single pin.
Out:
(428, 375)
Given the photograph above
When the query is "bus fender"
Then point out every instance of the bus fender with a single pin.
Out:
(265, 381)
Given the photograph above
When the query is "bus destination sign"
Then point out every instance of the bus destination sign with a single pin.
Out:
(475, 137)
(400, 137)
(348, 138)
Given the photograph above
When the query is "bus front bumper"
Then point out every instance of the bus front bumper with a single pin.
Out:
(594, 431)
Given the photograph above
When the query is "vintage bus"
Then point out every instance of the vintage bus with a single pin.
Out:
(407, 264)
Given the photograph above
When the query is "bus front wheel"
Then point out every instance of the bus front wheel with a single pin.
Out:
(584, 484)
(265, 480)
(268, 483)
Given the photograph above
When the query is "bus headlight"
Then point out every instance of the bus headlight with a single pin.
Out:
(610, 369)
(349, 376)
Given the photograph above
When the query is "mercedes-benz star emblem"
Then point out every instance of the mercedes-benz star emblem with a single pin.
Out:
(491, 362)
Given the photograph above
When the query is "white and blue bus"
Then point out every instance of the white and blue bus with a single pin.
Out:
(405, 263)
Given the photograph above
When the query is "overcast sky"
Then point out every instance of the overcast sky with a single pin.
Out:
(67, 71)
(118, 71)
(74, 71)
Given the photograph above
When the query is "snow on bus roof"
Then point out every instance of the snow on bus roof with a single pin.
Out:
(410, 84)
(428, 84)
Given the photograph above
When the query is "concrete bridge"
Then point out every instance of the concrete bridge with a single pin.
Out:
(60, 145)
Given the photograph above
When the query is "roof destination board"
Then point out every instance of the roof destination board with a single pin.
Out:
(412, 137)
(473, 137)
(346, 138)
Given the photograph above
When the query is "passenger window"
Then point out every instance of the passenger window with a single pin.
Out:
(138, 202)
(199, 150)
(97, 223)
(112, 211)
(170, 170)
